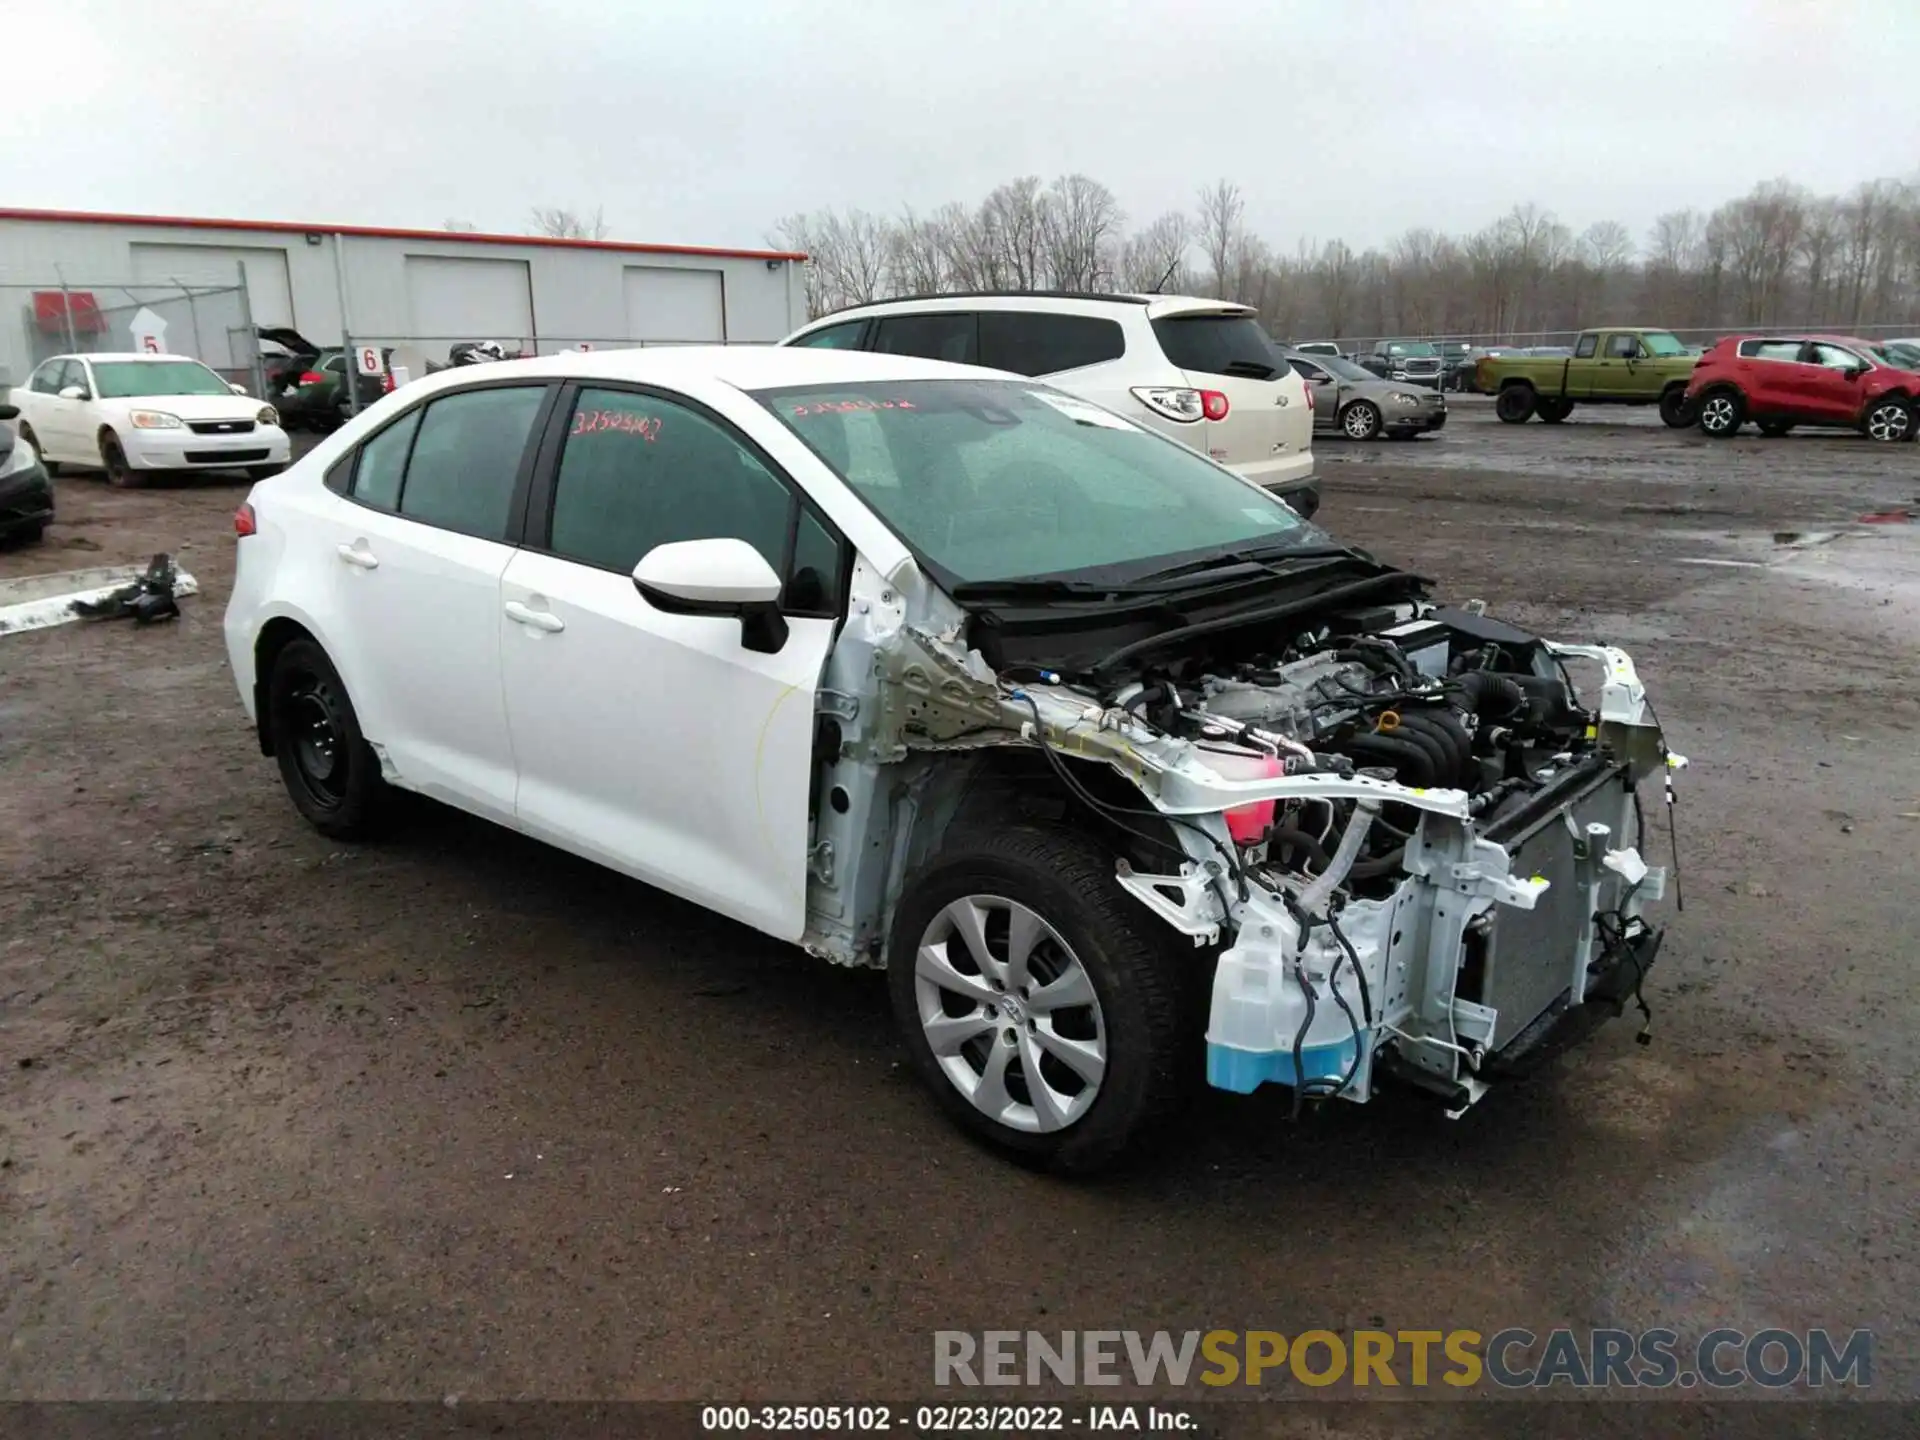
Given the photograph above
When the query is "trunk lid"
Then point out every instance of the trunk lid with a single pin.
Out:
(1222, 348)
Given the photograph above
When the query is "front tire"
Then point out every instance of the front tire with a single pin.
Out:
(52, 467)
(1515, 404)
(1361, 420)
(114, 458)
(331, 773)
(1676, 410)
(1888, 420)
(1045, 1008)
(1722, 413)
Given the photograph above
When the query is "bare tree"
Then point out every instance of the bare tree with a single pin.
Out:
(1013, 222)
(1080, 223)
(564, 224)
(1155, 259)
(1221, 212)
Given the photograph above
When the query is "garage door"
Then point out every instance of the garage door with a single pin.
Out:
(666, 303)
(462, 298)
(268, 294)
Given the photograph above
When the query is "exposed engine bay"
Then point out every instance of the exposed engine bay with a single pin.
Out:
(1409, 848)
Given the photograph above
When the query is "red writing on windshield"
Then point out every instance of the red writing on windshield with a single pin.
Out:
(842, 407)
(622, 422)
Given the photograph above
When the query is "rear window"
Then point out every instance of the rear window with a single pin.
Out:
(1218, 345)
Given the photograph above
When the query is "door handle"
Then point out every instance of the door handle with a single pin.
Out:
(535, 619)
(358, 554)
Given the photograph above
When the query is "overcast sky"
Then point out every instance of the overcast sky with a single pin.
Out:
(703, 121)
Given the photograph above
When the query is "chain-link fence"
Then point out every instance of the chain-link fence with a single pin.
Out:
(211, 323)
(1548, 339)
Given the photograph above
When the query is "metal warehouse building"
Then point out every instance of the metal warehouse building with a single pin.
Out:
(92, 281)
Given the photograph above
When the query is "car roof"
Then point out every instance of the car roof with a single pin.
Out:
(744, 367)
(145, 357)
(1056, 302)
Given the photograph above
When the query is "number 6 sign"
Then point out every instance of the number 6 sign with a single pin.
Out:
(368, 360)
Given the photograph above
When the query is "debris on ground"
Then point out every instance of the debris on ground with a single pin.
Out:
(147, 599)
(1887, 517)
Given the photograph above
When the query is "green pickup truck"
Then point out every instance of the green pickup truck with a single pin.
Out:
(1617, 365)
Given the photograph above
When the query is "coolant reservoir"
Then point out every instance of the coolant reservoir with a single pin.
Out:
(1248, 824)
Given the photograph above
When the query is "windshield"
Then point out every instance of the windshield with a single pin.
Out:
(1659, 344)
(126, 379)
(1217, 344)
(989, 479)
(1899, 356)
(1344, 369)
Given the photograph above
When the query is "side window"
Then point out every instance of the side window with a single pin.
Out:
(339, 476)
(1037, 344)
(639, 471)
(466, 457)
(943, 335)
(45, 379)
(383, 460)
(846, 336)
(1835, 358)
(1312, 374)
(1622, 347)
(1788, 350)
(1588, 344)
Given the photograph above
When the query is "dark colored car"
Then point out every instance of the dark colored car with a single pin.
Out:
(284, 354)
(317, 399)
(26, 494)
(1780, 381)
(1416, 362)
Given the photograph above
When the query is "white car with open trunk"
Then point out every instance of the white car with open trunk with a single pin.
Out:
(134, 414)
(1124, 773)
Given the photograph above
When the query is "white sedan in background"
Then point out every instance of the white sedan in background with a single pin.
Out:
(130, 414)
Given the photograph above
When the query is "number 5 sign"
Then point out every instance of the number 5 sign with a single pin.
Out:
(368, 360)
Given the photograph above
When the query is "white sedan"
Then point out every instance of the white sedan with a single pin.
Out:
(133, 414)
(946, 672)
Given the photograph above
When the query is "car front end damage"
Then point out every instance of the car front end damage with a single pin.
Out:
(1403, 847)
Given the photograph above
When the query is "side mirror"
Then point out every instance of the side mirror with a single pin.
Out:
(73, 392)
(237, 389)
(722, 577)
(1854, 372)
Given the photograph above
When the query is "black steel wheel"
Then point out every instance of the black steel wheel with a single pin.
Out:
(331, 773)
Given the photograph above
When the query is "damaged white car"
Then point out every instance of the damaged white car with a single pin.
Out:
(1122, 772)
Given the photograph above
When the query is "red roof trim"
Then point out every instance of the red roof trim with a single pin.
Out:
(288, 227)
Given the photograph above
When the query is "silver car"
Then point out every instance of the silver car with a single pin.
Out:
(1362, 406)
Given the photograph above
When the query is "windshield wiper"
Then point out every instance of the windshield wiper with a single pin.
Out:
(1276, 559)
(1252, 369)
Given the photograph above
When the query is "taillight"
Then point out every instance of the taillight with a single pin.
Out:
(1175, 402)
(1213, 405)
(1309, 390)
(311, 377)
(243, 522)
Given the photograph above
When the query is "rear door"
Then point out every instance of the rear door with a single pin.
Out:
(417, 550)
(1075, 352)
(1588, 373)
(1326, 392)
(654, 742)
(1226, 351)
(1773, 377)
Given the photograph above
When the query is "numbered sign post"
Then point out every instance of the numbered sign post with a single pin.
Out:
(369, 360)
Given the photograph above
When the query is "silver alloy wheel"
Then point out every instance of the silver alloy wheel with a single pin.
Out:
(1361, 421)
(1717, 414)
(1888, 421)
(1010, 1013)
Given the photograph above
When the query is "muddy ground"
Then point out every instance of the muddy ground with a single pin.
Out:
(461, 1116)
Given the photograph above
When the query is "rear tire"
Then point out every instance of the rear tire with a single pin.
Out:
(1129, 1042)
(1515, 404)
(1676, 410)
(1361, 421)
(1553, 411)
(52, 467)
(331, 773)
(1722, 413)
(119, 473)
(1888, 420)
(1774, 429)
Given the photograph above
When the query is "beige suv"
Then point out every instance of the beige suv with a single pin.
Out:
(1200, 371)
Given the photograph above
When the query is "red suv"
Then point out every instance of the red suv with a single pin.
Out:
(1780, 381)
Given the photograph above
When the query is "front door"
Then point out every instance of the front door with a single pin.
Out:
(658, 743)
(1834, 383)
(417, 551)
(1325, 390)
(65, 420)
